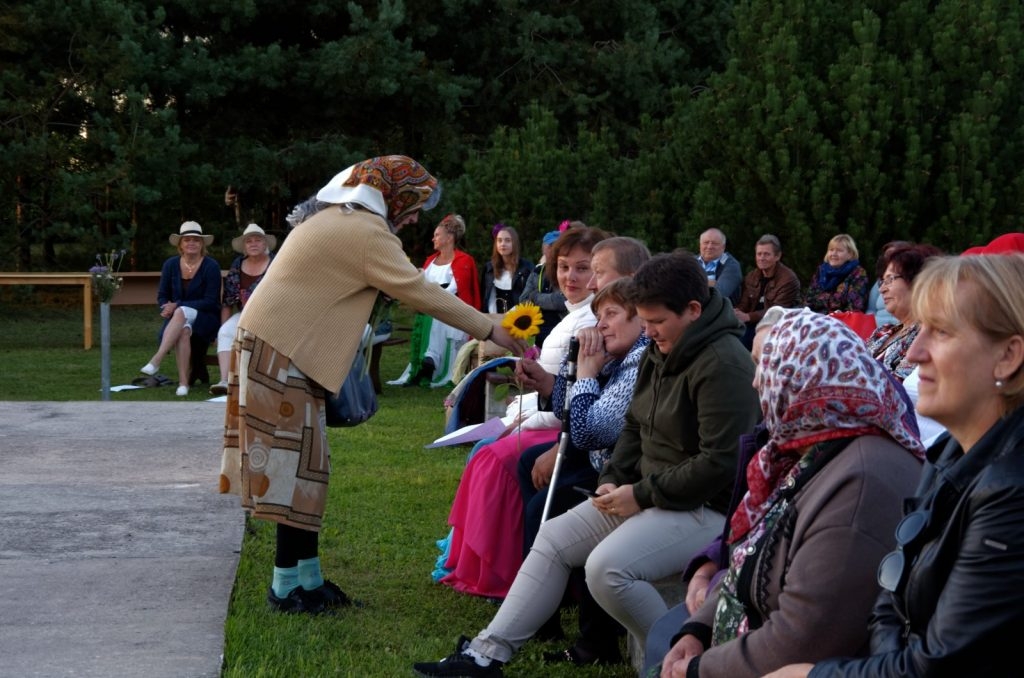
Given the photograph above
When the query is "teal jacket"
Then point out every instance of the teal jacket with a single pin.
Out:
(680, 442)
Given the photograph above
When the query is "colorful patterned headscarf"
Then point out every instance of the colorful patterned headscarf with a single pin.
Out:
(818, 382)
(399, 184)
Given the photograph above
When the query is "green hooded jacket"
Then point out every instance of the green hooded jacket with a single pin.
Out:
(679, 445)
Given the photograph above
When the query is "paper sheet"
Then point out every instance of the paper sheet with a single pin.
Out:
(472, 433)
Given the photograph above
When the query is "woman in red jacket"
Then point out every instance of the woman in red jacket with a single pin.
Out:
(434, 344)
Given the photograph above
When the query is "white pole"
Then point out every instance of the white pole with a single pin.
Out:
(563, 437)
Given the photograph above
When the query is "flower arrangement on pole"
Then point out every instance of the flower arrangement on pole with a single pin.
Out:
(106, 282)
(105, 278)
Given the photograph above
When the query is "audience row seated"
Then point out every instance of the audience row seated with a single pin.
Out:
(198, 305)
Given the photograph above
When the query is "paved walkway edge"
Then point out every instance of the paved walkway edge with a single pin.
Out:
(117, 555)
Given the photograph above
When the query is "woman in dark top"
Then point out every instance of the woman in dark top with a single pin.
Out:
(189, 299)
(504, 277)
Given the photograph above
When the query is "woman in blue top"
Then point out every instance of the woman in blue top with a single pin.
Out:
(189, 299)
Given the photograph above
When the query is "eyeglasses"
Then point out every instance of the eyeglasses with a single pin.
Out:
(894, 568)
(889, 279)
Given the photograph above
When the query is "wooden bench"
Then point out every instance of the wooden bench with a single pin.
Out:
(137, 289)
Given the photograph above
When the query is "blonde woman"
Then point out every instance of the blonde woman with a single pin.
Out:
(433, 343)
(840, 283)
(189, 299)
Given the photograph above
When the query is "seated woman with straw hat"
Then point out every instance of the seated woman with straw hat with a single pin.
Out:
(255, 250)
(189, 300)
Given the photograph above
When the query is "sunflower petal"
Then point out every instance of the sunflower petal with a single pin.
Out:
(523, 320)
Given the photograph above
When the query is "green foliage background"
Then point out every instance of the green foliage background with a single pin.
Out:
(121, 118)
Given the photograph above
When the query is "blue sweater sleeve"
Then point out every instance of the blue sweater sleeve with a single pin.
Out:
(166, 290)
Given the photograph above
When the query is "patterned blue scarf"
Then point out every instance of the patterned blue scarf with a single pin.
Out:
(829, 276)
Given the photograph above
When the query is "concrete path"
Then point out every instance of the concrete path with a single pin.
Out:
(117, 555)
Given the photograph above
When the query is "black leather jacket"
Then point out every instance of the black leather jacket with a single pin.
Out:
(961, 610)
(522, 272)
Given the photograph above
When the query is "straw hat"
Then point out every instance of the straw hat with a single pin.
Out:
(190, 228)
(238, 244)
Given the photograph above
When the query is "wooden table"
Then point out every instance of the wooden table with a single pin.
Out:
(83, 279)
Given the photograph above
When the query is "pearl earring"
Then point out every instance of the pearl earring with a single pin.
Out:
(999, 383)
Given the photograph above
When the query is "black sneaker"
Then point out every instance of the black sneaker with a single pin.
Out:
(329, 596)
(458, 665)
(293, 603)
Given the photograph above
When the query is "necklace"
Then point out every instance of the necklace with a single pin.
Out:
(189, 268)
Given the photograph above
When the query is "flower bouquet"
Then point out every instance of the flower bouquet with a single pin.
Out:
(105, 280)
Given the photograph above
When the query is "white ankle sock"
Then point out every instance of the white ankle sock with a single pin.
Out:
(480, 659)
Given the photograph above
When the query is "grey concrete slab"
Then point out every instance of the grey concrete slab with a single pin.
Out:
(117, 555)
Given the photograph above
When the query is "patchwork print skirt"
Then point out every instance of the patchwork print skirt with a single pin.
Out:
(275, 438)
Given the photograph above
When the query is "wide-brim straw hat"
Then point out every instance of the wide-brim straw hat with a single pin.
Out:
(238, 244)
(190, 228)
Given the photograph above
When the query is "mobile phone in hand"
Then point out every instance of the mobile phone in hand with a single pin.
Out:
(583, 490)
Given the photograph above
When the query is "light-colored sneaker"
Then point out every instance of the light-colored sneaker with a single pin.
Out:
(149, 369)
(219, 389)
(182, 391)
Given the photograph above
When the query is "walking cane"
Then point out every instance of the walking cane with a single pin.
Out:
(563, 435)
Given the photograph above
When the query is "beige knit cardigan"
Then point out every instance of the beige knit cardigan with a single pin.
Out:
(318, 293)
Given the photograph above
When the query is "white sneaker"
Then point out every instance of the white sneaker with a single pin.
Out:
(149, 369)
(182, 391)
(219, 389)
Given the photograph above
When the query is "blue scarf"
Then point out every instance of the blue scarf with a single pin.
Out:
(829, 276)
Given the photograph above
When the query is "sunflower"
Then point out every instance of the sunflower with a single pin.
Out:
(523, 320)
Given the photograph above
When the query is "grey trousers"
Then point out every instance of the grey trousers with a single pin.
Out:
(622, 556)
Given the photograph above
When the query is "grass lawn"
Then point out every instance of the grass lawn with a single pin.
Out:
(389, 501)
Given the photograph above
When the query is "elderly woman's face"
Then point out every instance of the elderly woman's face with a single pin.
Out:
(756, 349)
(838, 254)
(410, 218)
(255, 244)
(618, 329)
(895, 291)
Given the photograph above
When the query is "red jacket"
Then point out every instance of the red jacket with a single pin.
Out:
(467, 281)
